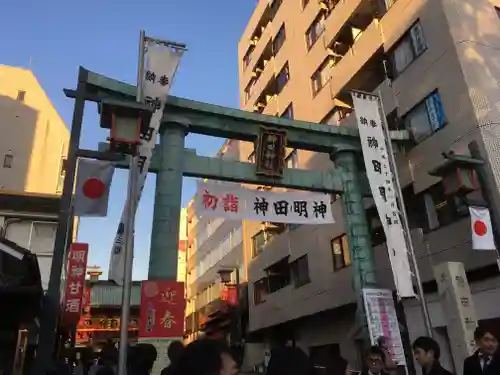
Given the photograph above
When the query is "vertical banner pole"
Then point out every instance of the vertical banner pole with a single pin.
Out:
(129, 260)
(129, 228)
(404, 216)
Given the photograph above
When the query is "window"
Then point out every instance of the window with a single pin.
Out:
(248, 56)
(340, 251)
(304, 3)
(21, 94)
(282, 78)
(279, 39)
(300, 271)
(249, 89)
(288, 112)
(336, 115)
(411, 46)
(314, 31)
(425, 118)
(8, 159)
(321, 76)
(292, 160)
(278, 275)
(258, 243)
(260, 291)
(60, 178)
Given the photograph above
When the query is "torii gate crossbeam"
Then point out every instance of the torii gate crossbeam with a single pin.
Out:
(172, 161)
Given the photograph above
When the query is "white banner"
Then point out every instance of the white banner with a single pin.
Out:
(160, 67)
(482, 231)
(381, 179)
(383, 322)
(232, 202)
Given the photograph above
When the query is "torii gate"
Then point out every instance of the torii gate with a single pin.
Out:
(171, 161)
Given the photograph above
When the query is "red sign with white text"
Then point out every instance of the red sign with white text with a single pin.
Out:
(162, 309)
(75, 282)
(230, 295)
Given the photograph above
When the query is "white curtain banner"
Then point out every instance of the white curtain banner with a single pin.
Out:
(383, 322)
(481, 229)
(161, 63)
(381, 180)
(232, 202)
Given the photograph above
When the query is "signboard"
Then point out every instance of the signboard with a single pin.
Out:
(383, 322)
(75, 282)
(86, 301)
(381, 178)
(104, 324)
(162, 309)
(271, 150)
(230, 295)
(457, 305)
(232, 202)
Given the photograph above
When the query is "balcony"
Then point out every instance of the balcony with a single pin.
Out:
(366, 45)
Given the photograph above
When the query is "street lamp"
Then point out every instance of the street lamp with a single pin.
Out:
(127, 121)
(225, 277)
(464, 174)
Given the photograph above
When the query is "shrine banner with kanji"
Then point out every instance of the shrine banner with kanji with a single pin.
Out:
(233, 202)
(381, 178)
(162, 309)
(75, 282)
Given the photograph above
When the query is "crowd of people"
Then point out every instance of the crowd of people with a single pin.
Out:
(214, 357)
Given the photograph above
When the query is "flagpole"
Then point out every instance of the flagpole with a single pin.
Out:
(404, 216)
(132, 195)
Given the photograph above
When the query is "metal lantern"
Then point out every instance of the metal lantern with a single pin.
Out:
(458, 174)
(127, 121)
(225, 276)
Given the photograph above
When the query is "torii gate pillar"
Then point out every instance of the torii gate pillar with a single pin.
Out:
(168, 201)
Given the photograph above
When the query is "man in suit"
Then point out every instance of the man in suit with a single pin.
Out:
(485, 360)
(427, 352)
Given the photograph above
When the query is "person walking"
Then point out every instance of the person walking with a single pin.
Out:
(374, 362)
(206, 357)
(174, 352)
(290, 361)
(485, 361)
(427, 352)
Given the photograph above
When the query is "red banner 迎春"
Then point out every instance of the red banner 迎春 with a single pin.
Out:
(162, 309)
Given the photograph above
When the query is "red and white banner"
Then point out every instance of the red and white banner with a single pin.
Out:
(75, 282)
(233, 202)
(162, 309)
(482, 231)
(93, 181)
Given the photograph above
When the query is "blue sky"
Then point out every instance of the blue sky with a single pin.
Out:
(59, 35)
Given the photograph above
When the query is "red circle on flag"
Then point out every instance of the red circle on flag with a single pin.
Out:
(480, 228)
(93, 188)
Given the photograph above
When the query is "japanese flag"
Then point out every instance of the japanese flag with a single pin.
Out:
(92, 188)
(482, 232)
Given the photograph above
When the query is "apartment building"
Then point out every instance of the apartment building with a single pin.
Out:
(34, 138)
(299, 59)
(33, 145)
(214, 244)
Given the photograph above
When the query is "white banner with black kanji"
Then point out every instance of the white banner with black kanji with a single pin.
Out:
(381, 179)
(161, 63)
(230, 201)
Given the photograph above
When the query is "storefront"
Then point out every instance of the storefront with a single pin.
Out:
(21, 296)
